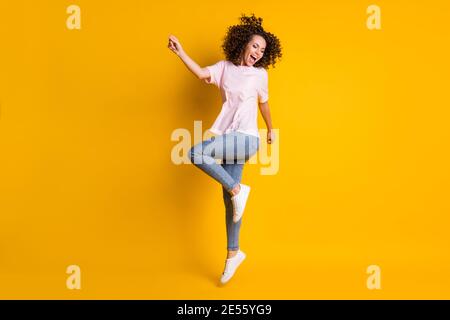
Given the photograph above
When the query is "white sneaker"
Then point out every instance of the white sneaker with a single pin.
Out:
(239, 201)
(231, 265)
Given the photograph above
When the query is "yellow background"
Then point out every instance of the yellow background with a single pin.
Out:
(86, 177)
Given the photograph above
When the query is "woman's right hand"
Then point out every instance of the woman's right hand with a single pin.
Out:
(174, 45)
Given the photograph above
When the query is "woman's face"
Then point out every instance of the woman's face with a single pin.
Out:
(253, 51)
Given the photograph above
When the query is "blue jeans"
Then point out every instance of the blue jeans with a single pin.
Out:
(234, 149)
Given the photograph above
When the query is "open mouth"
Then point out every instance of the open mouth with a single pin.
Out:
(252, 58)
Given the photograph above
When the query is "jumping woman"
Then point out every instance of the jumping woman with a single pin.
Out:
(243, 82)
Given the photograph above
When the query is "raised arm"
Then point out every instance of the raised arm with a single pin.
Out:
(175, 46)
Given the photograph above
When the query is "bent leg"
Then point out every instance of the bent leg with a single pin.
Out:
(204, 154)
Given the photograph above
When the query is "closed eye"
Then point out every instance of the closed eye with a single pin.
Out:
(256, 46)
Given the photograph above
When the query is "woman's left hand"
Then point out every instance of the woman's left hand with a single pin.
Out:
(270, 136)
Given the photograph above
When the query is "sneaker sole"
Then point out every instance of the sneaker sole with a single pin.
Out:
(237, 267)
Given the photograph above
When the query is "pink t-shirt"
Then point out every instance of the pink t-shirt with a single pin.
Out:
(241, 87)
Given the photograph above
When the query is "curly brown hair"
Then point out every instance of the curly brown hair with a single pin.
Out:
(238, 36)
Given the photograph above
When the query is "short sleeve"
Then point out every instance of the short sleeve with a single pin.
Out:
(263, 91)
(216, 72)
